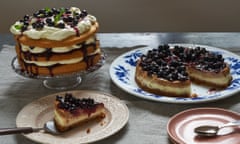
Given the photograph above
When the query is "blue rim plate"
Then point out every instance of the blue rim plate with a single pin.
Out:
(122, 72)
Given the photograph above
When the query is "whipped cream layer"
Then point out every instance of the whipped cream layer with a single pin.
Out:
(37, 50)
(56, 32)
(67, 61)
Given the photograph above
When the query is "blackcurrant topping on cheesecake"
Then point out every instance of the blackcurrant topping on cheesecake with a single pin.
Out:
(72, 104)
(162, 63)
(70, 111)
(170, 70)
(200, 58)
(170, 63)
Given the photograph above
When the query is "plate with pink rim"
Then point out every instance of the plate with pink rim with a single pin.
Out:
(40, 111)
(181, 126)
(122, 73)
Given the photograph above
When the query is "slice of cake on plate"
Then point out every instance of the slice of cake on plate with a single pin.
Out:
(70, 111)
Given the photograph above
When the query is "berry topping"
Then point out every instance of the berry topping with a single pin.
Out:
(170, 63)
(38, 25)
(61, 25)
(70, 103)
(26, 18)
(84, 13)
(59, 18)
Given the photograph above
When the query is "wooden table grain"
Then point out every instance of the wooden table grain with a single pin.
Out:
(148, 119)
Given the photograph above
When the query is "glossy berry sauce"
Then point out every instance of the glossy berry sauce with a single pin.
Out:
(76, 106)
(170, 63)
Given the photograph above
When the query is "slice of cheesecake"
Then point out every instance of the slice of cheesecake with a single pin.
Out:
(70, 111)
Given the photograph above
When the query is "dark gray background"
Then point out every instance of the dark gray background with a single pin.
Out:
(139, 15)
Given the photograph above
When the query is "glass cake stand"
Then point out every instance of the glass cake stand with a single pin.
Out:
(59, 82)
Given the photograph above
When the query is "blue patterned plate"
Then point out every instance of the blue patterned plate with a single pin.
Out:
(122, 72)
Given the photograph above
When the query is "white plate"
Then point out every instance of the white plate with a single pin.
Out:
(122, 72)
(38, 112)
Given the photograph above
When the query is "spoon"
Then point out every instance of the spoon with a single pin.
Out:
(211, 131)
(49, 127)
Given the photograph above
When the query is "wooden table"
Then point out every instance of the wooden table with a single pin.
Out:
(148, 119)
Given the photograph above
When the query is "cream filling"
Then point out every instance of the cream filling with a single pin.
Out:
(37, 50)
(50, 63)
(68, 61)
(165, 88)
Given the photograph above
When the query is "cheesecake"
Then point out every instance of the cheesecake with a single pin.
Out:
(170, 71)
(70, 112)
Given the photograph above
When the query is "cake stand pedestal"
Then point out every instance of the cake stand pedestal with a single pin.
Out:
(59, 82)
(62, 83)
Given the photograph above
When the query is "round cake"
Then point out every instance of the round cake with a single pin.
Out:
(169, 70)
(56, 41)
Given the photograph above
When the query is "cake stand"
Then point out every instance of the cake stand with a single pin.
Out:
(59, 82)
